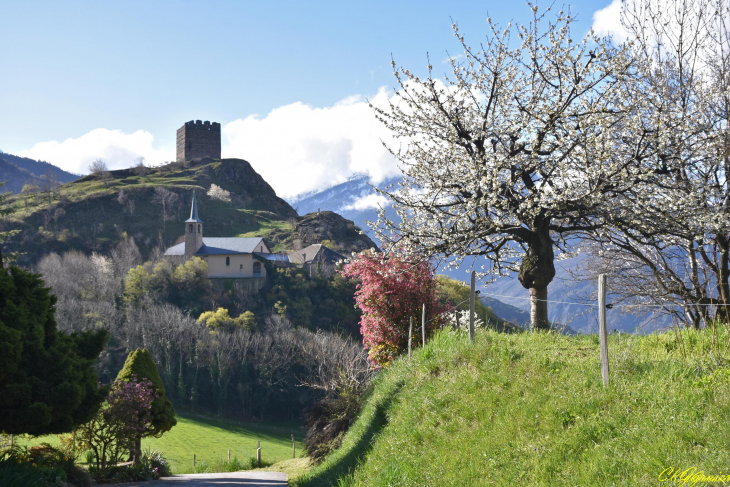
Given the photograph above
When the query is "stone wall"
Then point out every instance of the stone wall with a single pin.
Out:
(198, 139)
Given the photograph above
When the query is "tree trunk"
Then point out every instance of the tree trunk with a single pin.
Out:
(723, 284)
(538, 308)
(537, 271)
(137, 455)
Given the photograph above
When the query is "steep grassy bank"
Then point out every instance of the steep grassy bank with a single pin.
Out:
(530, 409)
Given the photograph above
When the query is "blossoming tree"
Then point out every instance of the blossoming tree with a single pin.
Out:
(669, 246)
(393, 288)
(518, 153)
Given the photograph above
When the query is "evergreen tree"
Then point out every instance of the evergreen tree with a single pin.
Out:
(140, 365)
(47, 382)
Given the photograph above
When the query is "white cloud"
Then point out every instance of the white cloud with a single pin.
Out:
(117, 149)
(607, 21)
(374, 201)
(297, 148)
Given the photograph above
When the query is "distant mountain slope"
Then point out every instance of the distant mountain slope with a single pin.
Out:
(13, 176)
(39, 167)
(94, 213)
(572, 302)
(346, 199)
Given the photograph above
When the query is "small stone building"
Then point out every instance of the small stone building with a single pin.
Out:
(316, 260)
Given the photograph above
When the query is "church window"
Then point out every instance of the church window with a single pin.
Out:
(228, 261)
(198, 228)
(257, 267)
(241, 268)
(191, 228)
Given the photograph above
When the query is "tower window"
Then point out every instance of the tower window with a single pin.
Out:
(198, 228)
(191, 228)
(257, 267)
(241, 268)
(228, 261)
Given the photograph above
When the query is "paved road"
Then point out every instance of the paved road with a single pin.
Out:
(247, 479)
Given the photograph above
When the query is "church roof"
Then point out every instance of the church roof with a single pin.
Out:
(194, 212)
(221, 245)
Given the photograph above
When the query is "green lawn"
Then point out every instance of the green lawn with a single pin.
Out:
(209, 440)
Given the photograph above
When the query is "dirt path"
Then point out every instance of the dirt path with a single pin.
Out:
(247, 479)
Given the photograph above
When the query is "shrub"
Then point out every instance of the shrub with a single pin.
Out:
(393, 288)
(38, 465)
(328, 420)
(157, 461)
(15, 473)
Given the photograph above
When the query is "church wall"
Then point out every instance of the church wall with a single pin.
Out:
(241, 266)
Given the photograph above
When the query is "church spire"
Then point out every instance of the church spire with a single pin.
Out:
(194, 211)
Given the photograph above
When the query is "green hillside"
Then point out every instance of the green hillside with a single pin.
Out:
(531, 409)
(150, 204)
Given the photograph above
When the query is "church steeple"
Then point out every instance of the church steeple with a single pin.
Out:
(194, 211)
(193, 230)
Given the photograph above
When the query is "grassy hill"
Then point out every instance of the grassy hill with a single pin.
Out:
(531, 409)
(94, 212)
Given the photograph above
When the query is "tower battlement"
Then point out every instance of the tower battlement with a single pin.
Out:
(197, 139)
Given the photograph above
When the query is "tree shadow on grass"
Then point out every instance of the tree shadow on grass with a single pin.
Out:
(347, 463)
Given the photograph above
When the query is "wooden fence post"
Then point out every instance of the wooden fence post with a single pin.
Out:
(258, 454)
(293, 447)
(193, 460)
(410, 336)
(229, 455)
(472, 305)
(602, 334)
(423, 326)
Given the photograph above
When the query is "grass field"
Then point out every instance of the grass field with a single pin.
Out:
(209, 440)
(531, 409)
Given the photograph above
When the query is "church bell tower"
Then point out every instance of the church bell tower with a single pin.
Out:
(193, 231)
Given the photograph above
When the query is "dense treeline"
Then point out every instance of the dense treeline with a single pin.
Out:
(248, 372)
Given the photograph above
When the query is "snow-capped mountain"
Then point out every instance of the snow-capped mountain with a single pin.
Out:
(354, 199)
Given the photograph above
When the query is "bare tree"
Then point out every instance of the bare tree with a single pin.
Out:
(335, 363)
(99, 168)
(168, 201)
(58, 213)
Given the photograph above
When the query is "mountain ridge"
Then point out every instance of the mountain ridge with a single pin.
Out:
(95, 212)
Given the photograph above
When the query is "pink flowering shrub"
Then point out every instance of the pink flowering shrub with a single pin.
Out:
(393, 289)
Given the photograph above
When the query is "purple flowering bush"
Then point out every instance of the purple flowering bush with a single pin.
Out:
(125, 415)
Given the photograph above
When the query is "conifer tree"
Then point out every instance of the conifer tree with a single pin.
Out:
(47, 380)
(139, 364)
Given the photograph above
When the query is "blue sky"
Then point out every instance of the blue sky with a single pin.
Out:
(288, 80)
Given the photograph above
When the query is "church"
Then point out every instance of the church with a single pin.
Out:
(235, 258)
(227, 258)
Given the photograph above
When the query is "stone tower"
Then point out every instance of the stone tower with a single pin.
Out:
(198, 139)
(193, 231)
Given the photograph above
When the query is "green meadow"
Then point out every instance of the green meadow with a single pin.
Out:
(209, 440)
